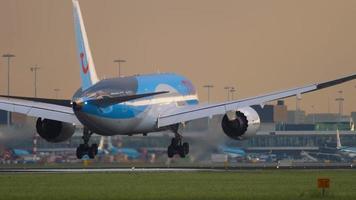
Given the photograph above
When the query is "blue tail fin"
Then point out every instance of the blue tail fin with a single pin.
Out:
(87, 67)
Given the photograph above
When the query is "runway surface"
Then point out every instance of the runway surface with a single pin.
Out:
(96, 170)
(173, 169)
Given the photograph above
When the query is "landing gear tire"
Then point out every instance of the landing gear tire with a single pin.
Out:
(181, 151)
(80, 151)
(92, 152)
(170, 151)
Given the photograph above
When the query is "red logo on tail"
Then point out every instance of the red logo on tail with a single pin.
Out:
(84, 68)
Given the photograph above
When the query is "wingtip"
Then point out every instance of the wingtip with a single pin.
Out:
(336, 81)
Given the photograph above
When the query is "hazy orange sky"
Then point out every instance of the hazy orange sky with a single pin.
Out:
(256, 46)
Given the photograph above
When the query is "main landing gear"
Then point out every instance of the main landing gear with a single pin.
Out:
(177, 147)
(85, 149)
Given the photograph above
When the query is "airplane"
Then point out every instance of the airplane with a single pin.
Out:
(232, 152)
(15, 153)
(110, 149)
(349, 151)
(20, 152)
(21, 156)
(139, 104)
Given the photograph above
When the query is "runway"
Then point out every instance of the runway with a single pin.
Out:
(315, 166)
(109, 170)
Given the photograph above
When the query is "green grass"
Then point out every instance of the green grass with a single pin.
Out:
(263, 184)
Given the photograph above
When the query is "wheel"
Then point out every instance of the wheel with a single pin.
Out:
(92, 151)
(80, 152)
(95, 147)
(186, 148)
(170, 151)
(181, 151)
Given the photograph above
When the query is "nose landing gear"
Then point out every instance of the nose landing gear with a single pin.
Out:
(85, 149)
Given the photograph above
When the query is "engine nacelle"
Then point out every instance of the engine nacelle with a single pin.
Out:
(54, 131)
(244, 122)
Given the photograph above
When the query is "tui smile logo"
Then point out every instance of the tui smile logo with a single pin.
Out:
(84, 68)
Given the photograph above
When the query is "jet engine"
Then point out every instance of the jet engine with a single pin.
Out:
(54, 131)
(244, 122)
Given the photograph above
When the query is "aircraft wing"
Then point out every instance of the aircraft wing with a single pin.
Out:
(188, 113)
(59, 110)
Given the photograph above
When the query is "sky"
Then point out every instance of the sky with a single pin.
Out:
(257, 46)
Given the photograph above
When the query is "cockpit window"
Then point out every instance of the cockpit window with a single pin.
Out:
(112, 88)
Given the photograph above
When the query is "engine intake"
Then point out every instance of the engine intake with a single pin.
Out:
(245, 123)
(54, 131)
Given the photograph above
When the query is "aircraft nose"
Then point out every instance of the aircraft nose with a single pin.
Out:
(77, 106)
